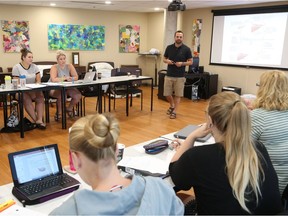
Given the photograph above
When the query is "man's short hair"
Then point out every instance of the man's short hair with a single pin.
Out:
(179, 31)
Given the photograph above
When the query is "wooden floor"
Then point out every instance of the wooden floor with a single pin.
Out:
(138, 127)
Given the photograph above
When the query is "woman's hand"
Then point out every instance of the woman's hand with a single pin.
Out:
(175, 144)
(202, 131)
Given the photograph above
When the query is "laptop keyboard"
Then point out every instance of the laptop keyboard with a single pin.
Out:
(37, 187)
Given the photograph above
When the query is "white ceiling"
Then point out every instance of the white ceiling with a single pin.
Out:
(134, 6)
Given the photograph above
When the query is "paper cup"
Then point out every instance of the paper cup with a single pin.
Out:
(99, 75)
(120, 151)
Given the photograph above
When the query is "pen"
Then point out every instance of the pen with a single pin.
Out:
(6, 205)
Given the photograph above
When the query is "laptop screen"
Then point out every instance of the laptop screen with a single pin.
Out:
(34, 164)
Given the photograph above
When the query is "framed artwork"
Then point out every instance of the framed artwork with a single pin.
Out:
(76, 37)
(196, 33)
(75, 58)
(129, 38)
(15, 35)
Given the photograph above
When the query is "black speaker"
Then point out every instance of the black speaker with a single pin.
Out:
(201, 69)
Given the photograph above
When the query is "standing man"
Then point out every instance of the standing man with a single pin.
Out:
(177, 56)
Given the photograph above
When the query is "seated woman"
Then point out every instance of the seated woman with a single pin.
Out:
(93, 145)
(64, 72)
(232, 176)
(32, 74)
(270, 120)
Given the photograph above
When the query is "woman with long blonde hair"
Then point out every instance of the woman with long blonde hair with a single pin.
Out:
(270, 120)
(232, 176)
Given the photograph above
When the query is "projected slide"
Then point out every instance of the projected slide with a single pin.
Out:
(254, 39)
(251, 40)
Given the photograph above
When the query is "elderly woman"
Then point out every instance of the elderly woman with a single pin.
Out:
(64, 72)
(93, 143)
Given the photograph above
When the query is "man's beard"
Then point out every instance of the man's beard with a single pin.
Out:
(178, 42)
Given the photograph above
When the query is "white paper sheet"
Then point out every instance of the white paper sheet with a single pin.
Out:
(35, 85)
(148, 162)
(16, 210)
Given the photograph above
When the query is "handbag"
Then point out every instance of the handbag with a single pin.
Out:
(13, 120)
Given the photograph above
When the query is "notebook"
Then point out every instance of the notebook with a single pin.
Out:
(38, 176)
(89, 77)
(184, 132)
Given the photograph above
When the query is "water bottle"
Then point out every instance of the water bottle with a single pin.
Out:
(22, 81)
(72, 80)
(8, 84)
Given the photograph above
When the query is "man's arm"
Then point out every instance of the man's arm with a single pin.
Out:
(168, 61)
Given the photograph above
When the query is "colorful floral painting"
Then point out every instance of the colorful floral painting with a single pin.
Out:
(15, 35)
(76, 37)
(196, 32)
(129, 38)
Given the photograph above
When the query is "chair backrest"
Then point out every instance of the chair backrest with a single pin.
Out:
(91, 63)
(46, 75)
(2, 77)
(124, 71)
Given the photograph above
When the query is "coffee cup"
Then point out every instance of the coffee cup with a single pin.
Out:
(120, 151)
(99, 75)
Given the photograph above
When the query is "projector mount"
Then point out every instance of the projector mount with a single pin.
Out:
(176, 5)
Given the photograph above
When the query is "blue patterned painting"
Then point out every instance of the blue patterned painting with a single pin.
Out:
(76, 37)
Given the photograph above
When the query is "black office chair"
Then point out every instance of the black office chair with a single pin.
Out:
(91, 91)
(116, 90)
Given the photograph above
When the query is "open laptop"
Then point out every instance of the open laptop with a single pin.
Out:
(38, 176)
(88, 78)
(184, 133)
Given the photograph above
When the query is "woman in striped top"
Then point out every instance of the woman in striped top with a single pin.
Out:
(270, 120)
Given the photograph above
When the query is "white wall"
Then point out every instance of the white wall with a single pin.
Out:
(40, 17)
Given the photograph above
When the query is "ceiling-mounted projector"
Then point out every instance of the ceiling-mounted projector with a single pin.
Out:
(176, 5)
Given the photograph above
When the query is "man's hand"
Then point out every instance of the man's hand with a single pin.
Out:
(179, 64)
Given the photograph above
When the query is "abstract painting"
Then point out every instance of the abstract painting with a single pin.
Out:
(196, 32)
(76, 37)
(129, 38)
(15, 35)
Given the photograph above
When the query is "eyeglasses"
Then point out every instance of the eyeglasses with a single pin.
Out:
(258, 84)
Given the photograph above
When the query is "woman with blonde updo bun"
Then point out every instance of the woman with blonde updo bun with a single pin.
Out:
(93, 145)
(61, 72)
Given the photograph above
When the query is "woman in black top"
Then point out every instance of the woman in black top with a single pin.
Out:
(232, 176)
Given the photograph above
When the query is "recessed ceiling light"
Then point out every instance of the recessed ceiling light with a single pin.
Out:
(156, 9)
(107, 2)
(52, 4)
